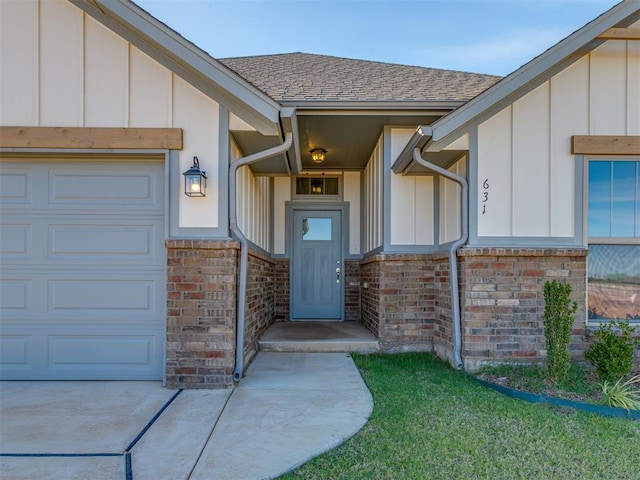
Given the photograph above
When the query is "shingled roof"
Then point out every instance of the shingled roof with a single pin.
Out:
(293, 77)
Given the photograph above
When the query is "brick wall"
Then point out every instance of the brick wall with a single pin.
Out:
(261, 301)
(370, 294)
(403, 297)
(201, 313)
(503, 301)
(352, 291)
(281, 271)
(443, 324)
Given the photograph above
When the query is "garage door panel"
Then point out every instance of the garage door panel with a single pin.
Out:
(106, 242)
(14, 295)
(15, 241)
(13, 350)
(14, 188)
(83, 277)
(87, 350)
(82, 355)
(101, 296)
(101, 186)
(119, 297)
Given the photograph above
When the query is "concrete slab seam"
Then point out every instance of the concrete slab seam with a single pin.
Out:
(63, 455)
(152, 421)
(215, 424)
(128, 472)
(126, 453)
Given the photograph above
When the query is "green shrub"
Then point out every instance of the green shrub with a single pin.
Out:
(622, 394)
(558, 320)
(612, 353)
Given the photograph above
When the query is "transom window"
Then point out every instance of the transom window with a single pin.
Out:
(321, 186)
(614, 239)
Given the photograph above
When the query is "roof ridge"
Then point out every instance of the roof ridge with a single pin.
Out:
(360, 60)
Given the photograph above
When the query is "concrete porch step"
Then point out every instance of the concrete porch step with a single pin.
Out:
(318, 336)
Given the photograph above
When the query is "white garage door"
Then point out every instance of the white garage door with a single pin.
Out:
(82, 278)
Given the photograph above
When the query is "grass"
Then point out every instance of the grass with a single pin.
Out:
(430, 421)
(580, 384)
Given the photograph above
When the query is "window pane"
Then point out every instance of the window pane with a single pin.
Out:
(331, 186)
(316, 229)
(302, 186)
(599, 199)
(623, 203)
(317, 186)
(614, 281)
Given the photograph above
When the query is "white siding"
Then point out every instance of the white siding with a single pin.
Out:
(411, 200)
(530, 162)
(19, 62)
(253, 195)
(351, 189)
(494, 175)
(450, 204)
(373, 198)
(62, 68)
(61, 58)
(198, 117)
(281, 195)
(524, 152)
(106, 72)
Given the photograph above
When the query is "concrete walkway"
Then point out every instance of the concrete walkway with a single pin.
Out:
(289, 408)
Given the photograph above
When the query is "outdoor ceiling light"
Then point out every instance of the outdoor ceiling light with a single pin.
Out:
(195, 181)
(318, 155)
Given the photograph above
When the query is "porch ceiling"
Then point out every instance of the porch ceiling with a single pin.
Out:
(349, 139)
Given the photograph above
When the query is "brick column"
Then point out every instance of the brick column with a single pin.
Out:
(261, 299)
(201, 312)
(398, 301)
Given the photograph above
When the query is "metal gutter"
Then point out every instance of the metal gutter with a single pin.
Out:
(244, 243)
(406, 107)
(453, 252)
(418, 140)
(289, 122)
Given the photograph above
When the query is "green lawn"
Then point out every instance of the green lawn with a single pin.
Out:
(431, 422)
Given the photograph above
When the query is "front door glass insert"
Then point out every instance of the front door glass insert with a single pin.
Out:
(316, 229)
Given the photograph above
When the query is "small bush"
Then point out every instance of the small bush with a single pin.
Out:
(558, 321)
(622, 394)
(612, 353)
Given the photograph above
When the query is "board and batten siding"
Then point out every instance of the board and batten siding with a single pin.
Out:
(373, 184)
(253, 196)
(61, 68)
(450, 204)
(411, 210)
(525, 163)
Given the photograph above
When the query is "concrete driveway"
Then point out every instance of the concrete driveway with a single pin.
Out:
(289, 408)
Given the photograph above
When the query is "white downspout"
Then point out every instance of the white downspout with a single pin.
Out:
(453, 249)
(244, 243)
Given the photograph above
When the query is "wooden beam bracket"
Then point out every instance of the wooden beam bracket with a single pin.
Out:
(605, 145)
(620, 34)
(91, 137)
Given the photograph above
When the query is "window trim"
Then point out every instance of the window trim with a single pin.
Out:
(601, 240)
(585, 201)
(318, 197)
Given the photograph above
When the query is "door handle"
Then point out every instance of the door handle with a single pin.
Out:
(337, 274)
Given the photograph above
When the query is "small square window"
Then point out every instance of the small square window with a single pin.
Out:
(327, 186)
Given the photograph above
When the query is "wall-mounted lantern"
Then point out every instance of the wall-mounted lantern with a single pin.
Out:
(195, 181)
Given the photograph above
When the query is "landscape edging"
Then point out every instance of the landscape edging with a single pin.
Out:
(543, 398)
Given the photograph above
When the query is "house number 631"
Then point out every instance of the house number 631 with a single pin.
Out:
(485, 195)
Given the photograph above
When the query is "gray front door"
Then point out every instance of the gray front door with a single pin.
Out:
(317, 269)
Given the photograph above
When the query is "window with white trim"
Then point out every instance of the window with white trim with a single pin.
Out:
(613, 226)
